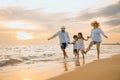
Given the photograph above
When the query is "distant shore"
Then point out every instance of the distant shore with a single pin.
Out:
(111, 43)
(104, 69)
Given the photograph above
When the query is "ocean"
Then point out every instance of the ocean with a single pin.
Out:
(47, 57)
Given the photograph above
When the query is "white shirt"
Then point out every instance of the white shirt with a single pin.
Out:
(96, 34)
(75, 45)
(81, 44)
(63, 37)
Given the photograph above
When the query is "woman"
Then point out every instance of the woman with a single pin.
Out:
(96, 37)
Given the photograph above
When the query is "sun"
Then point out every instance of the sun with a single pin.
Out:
(22, 35)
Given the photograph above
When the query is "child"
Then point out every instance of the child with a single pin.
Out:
(96, 37)
(75, 46)
(81, 44)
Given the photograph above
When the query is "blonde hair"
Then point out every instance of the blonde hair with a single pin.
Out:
(95, 24)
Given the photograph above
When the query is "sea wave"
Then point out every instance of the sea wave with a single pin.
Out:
(11, 55)
(11, 61)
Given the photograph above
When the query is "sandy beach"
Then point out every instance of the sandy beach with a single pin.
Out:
(105, 69)
(59, 40)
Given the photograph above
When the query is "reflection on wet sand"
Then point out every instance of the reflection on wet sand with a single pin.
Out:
(65, 66)
(77, 62)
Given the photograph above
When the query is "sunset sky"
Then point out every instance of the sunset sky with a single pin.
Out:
(33, 21)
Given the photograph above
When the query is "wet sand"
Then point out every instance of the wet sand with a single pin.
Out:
(104, 69)
(38, 71)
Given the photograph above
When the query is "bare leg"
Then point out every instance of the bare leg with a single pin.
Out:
(77, 62)
(75, 54)
(98, 50)
(89, 47)
(83, 61)
(82, 51)
(64, 53)
(78, 53)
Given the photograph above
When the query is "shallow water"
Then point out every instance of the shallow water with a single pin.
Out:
(10, 55)
(46, 58)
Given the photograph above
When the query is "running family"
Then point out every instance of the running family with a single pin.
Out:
(78, 42)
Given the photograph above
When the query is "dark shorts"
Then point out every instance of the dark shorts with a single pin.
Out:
(63, 46)
(75, 51)
(95, 42)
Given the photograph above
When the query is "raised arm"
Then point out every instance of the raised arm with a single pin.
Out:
(53, 36)
(87, 38)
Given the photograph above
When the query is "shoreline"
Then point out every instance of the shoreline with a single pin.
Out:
(103, 69)
(60, 70)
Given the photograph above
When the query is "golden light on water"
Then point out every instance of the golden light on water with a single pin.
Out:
(22, 35)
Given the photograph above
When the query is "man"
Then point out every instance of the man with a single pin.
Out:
(64, 40)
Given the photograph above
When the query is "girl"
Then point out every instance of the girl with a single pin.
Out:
(81, 44)
(96, 37)
(75, 46)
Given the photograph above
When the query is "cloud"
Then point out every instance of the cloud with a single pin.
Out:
(113, 22)
(115, 30)
(45, 22)
(38, 17)
(111, 13)
(110, 10)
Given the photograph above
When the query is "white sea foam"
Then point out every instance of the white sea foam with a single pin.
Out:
(32, 54)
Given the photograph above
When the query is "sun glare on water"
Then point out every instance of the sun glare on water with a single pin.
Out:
(22, 35)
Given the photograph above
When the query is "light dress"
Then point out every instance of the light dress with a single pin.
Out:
(80, 43)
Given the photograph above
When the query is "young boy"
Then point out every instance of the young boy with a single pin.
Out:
(75, 46)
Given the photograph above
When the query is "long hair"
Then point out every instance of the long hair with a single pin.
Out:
(81, 35)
